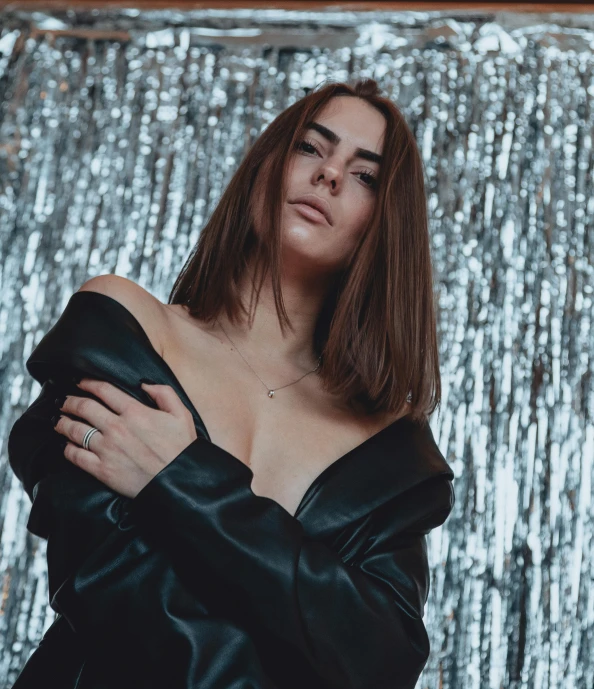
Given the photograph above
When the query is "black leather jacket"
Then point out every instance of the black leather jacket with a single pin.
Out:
(198, 582)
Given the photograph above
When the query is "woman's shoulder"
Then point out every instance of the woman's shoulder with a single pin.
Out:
(146, 308)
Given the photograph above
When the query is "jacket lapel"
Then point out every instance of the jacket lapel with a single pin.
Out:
(391, 463)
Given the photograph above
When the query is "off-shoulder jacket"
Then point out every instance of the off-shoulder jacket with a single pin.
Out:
(199, 582)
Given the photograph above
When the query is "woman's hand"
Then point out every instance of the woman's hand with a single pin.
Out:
(134, 442)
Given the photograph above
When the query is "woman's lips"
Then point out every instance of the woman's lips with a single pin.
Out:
(311, 213)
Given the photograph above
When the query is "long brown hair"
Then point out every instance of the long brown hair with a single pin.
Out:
(376, 331)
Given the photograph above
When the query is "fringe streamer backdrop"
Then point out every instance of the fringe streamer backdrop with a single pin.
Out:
(119, 130)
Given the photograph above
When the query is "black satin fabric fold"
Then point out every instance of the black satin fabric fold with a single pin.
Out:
(198, 582)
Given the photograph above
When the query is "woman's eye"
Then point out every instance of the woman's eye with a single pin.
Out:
(301, 145)
(372, 183)
(372, 179)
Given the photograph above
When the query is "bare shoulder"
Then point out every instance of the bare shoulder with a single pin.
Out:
(146, 308)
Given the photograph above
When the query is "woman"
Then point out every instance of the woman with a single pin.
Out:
(277, 536)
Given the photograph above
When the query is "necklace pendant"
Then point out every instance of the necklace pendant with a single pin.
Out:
(271, 393)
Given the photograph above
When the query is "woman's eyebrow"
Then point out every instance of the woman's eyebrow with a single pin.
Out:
(334, 139)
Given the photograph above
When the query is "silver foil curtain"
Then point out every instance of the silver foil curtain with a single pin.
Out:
(119, 130)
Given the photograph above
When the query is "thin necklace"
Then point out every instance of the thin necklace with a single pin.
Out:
(270, 392)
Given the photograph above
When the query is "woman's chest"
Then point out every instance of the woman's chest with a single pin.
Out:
(287, 440)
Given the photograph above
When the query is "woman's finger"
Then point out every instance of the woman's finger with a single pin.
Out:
(112, 396)
(86, 460)
(167, 399)
(75, 431)
(89, 410)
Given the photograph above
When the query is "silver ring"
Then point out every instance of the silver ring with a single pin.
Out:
(87, 438)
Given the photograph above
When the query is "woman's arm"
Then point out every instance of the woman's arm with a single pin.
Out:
(360, 624)
(138, 621)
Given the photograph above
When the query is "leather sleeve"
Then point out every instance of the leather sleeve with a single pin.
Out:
(359, 624)
(141, 626)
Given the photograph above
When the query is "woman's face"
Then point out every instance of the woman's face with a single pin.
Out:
(327, 165)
